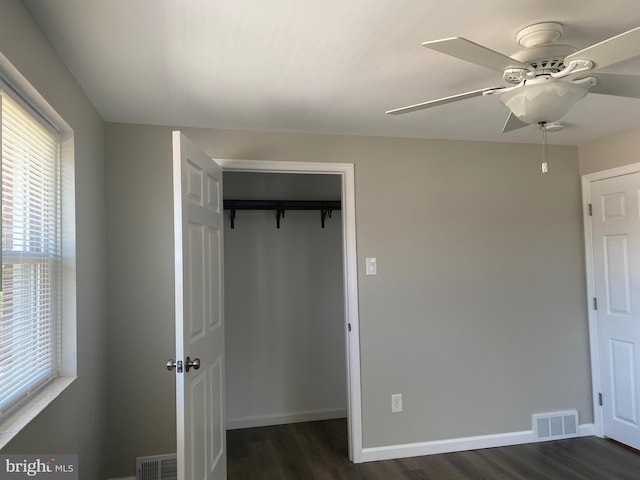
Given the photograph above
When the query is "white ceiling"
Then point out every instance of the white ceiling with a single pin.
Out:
(329, 66)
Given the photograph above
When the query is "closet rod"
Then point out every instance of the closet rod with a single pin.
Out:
(325, 207)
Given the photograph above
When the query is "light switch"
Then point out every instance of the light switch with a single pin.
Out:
(371, 266)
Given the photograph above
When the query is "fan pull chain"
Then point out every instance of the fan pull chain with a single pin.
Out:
(545, 153)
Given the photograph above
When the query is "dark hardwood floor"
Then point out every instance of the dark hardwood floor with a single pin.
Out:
(318, 450)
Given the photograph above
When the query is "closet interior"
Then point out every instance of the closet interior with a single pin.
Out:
(285, 332)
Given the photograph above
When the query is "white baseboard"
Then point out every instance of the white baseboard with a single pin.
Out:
(391, 452)
(279, 419)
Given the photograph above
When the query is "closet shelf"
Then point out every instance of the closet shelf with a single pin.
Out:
(325, 207)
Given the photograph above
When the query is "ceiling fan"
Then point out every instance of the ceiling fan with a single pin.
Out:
(547, 78)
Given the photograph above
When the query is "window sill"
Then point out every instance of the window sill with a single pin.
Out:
(27, 412)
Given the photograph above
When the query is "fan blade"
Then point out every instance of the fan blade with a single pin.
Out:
(610, 51)
(441, 101)
(513, 123)
(620, 85)
(472, 52)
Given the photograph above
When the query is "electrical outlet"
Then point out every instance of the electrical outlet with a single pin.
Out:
(396, 403)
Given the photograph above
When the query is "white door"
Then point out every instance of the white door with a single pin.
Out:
(616, 249)
(198, 214)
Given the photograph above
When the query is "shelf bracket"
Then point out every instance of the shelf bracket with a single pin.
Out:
(279, 215)
(324, 213)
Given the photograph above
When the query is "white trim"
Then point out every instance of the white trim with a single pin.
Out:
(391, 452)
(591, 314)
(612, 172)
(234, 165)
(346, 170)
(284, 418)
(591, 288)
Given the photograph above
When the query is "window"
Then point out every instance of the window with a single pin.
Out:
(30, 301)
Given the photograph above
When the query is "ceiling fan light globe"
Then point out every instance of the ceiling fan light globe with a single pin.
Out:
(545, 101)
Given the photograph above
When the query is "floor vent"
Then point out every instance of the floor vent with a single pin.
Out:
(552, 426)
(157, 467)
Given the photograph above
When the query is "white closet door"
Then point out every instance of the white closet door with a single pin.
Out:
(198, 215)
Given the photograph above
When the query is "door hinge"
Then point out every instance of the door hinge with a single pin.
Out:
(590, 210)
(595, 303)
(600, 398)
(349, 326)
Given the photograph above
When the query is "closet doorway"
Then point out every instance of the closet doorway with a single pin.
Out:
(290, 309)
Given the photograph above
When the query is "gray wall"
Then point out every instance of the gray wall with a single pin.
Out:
(284, 304)
(75, 421)
(141, 416)
(610, 152)
(278, 186)
(477, 315)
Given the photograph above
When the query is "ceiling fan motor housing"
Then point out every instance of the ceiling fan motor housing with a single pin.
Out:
(542, 60)
(539, 51)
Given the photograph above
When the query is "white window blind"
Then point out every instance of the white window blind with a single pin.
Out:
(30, 313)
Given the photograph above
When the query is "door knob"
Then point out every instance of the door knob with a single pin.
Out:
(195, 364)
(171, 364)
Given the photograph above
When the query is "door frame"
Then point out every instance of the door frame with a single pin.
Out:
(350, 274)
(596, 381)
